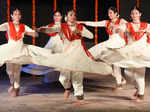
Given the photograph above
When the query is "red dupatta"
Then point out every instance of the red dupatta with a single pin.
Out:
(109, 31)
(136, 35)
(68, 34)
(13, 33)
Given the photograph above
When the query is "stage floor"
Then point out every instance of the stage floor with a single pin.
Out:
(37, 96)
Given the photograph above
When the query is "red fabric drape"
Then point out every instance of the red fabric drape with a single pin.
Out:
(136, 35)
(68, 34)
(13, 33)
(109, 31)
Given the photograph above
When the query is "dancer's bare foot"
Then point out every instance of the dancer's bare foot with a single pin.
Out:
(117, 89)
(139, 98)
(10, 89)
(78, 103)
(123, 81)
(15, 93)
(66, 94)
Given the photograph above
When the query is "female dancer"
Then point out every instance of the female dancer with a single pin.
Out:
(135, 56)
(15, 51)
(77, 54)
(114, 41)
(55, 44)
(72, 45)
(14, 69)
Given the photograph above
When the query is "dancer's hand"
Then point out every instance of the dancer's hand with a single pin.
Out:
(76, 32)
(81, 22)
(142, 31)
(120, 32)
(41, 29)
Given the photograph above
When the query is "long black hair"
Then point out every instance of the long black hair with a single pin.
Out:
(53, 13)
(14, 9)
(69, 10)
(136, 8)
(114, 9)
(59, 11)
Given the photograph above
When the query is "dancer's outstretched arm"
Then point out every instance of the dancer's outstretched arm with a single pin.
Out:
(94, 24)
(33, 34)
(30, 32)
(4, 27)
(86, 33)
(49, 29)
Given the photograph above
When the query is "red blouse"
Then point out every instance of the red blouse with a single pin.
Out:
(68, 34)
(13, 33)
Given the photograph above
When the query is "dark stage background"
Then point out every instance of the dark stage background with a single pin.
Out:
(85, 11)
